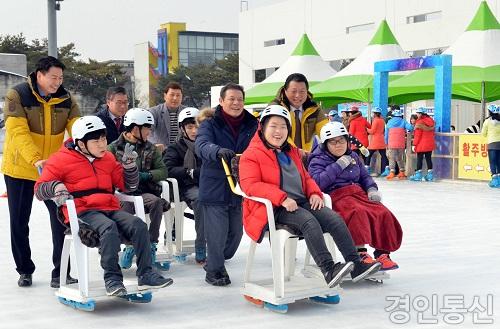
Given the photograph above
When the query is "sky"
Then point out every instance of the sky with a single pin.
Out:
(108, 29)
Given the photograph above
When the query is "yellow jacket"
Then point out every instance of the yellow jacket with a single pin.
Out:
(34, 127)
(313, 119)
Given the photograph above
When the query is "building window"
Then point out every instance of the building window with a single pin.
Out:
(259, 75)
(205, 49)
(359, 28)
(424, 17)
(275, 42)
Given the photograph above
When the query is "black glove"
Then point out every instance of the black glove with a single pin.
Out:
(226, 154)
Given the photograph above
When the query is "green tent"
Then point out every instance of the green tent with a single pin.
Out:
(476, 66)
(304, 59)
(355, 81)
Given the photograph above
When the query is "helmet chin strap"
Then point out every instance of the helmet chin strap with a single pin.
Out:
(185, 133)
(140, 138)
(86, 151)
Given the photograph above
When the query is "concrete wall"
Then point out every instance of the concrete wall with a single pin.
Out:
(15, 63)
(8, 81)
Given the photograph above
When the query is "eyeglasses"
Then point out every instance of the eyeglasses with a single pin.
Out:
(337, 141)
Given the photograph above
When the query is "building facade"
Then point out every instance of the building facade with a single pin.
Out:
(340, 29)
(177, 46)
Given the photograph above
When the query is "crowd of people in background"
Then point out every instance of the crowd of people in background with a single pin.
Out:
(291, 155)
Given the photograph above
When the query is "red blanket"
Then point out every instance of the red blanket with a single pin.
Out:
(369, 222)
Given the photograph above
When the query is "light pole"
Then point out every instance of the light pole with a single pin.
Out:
(52, 7)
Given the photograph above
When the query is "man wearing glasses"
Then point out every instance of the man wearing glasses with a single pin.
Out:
(113, 112)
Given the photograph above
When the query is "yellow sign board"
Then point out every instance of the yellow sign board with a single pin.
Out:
(473, 157)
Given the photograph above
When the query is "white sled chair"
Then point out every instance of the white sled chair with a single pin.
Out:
(285, 286)
(82, 295)
(179, 248)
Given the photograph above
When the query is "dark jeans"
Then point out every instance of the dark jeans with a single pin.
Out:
(20, 199)
(111, 225)
(428, 160)
(190, 195)
(384, 162)
(153, 206)
(223, 232)
(312, 224)
(494, 158)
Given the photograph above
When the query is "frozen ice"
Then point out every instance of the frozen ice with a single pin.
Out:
(450, 247)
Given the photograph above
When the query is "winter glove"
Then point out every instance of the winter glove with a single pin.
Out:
(226, 154)
(374, 194)
(129, 156)
(145, 176)
(364, 151)
(61, 194)
(344, 161)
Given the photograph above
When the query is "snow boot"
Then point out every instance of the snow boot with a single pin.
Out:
(417, 177)
(430, 176)
(126, 257)
(495, 181)
(386, 172)
(200, 255)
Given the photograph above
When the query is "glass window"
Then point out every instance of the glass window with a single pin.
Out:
(209, 42)
(200, 42)
(219, 43)
(192, 41)
(358, 28)
(183, 55)
(259, 75)
(183, 42)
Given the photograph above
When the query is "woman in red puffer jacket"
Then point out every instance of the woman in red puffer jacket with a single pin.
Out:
(424, 144)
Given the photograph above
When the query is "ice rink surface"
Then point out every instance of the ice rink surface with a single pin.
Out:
(450, 252)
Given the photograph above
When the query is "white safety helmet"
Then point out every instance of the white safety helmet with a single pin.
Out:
(377, 110)
(188, 112)
(276, 110)
(85, 125)
(138, 116)
(331, 130)
(421, 110)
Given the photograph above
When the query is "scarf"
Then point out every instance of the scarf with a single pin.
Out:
(233, 123)
(190, 157)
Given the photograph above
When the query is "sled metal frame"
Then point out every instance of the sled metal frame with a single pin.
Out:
(87, 291)
(285, 286)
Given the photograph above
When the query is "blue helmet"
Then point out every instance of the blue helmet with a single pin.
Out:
(421, 110)
(377, 110)
(494, 109)
(397, 113)
(333, 112)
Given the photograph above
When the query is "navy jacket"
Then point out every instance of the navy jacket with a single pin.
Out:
(213, 135)
(112, 133)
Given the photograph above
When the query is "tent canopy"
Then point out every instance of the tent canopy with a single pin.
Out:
(355, 81)
(476, 62)
(304, 59)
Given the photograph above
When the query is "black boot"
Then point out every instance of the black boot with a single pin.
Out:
(362, 270)
(55, 282)
(25, 280)
(334, 275)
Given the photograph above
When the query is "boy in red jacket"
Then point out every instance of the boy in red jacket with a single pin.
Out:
(85, 171)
